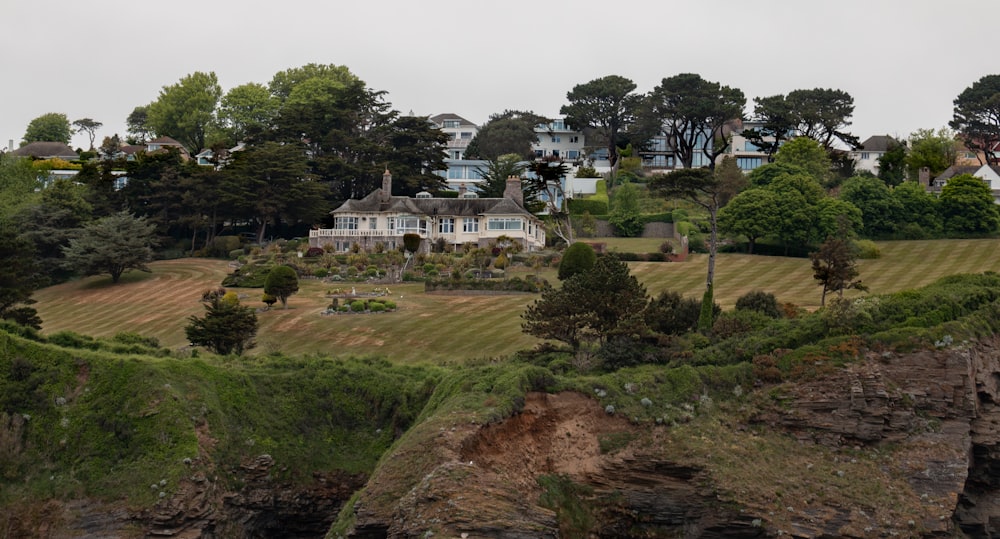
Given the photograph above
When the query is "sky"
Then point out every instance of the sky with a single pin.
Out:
(903, 61)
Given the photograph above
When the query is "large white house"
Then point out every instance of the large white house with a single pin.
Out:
(381, 218)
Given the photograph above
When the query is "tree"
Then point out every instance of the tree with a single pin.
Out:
(577, 258)
(695, 115)
(284, 82)
(186, 110)
(589, 306)
(509, 132)
(879, 209)
(273, 183)
(50, 127)
(934, 150)
(834, 215)
(88, 126)
(823, 114)
(704, 188)
(808, 155)
(625, 214)
(137, 125)
(52, 222)
(608, 105)
(18, 183)
(496, 172)
(977, 116)
(547, 178)
(20, 276)
(226, 328)
(282, 282)
(892, 163)
(967, 206)
(835, 267)
(671, 314)
(415, 149)
(751, 213)
(247, 111)
(918, 210)
(112, 245)
(777, 123)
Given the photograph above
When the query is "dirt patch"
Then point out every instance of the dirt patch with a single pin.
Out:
(554, 434)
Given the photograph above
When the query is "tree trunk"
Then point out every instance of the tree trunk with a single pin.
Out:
(713, 244)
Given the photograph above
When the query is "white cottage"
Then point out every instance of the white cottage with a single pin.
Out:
(383, 218)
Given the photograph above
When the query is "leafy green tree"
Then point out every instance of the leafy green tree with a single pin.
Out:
(88, 126)
(834, 215)
(226, 328)
(50, 127)
(577, 258)
(112, 245)
(967, 206)
(917, 208)
(808, 155)
(137, 125)
(281, 282)
(763, 175)
(509, 132)
(759, 301)
(415, 148)
(185, 111)
(823, 114)
(701, 187)
(590, 306)
(20, 276)
(879, 209)
(693, 113)
(625, 215)
(52, 222)
(892, 163)
(777, 124)
(496, 172)
(284, 82)
(752, 213)
(247, 111)
(546, 177)
(18, 183)
(835, 267)
(607, 105)
(794, 220)
(934, 150)
(977, 116)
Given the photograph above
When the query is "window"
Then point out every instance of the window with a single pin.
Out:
(345, 223)
(748, 163)
(556, 139)
(452, 123)
(558, 125)
(865, 156)
(455, 173)
(572, 154)
(405, 224)
(574, 140)
(466, 135)
(505, 223)
(447, 225)
(539, 153)
(372, 223)
(470, 224)
(750, 147)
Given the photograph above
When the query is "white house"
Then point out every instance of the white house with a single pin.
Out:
(874, 147)
(990, 174)
(460, 131)
(556, 139)
(381, 218)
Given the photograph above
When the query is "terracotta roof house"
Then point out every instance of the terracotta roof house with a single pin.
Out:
(381, 218)
(47, 150)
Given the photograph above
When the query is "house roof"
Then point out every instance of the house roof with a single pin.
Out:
(956, 170)
(46, 150)
(460, 207)
(440, 118)
(877, 143)
(165, 140)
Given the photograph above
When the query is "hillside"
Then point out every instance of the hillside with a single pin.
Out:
(439, 328)
(795, 428)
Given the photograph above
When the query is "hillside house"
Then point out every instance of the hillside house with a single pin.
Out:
(990, 174)
(381, 218)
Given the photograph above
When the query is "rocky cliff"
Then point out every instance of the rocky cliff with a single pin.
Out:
(890, 445)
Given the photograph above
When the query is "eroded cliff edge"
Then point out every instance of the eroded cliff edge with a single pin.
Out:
(889, 444)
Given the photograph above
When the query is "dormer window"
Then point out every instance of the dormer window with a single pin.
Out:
(424, 194)
(469, 194)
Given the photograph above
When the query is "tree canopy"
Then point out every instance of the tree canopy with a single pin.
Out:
(50, 127)
(694, 114)
(509, 132)
(935, 150)
(967, 206)
(20, 276)
(281, 282)
(185, 111)
(88, 126)
(608, 105)
(976, 116)
(821, 114)
(226, 328)
(112, 245)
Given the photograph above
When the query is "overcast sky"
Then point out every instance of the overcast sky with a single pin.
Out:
(903, 61)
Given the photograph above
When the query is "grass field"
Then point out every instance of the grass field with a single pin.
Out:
(452, 329)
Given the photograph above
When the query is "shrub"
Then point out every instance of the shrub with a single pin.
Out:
(759, 301)
(667, 247)
(249, 276)
(391, 305)
(321, 272)
(577, 206)
(69, 339)
(130, 337)
(222, 246)
(282, 282)
(411, 242)
(376, 307)
(358, 306)
(578, 258)
(270, 300)
(867, 249)
(314, 252)
(235, 254)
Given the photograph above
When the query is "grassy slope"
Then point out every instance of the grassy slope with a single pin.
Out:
(442, 329)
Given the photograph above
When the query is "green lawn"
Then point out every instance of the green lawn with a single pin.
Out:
(453, 329)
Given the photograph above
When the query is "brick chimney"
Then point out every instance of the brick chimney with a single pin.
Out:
(386, 186)
(513, 190)
(924, 177)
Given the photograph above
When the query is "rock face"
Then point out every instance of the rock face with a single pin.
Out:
(935, 412)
